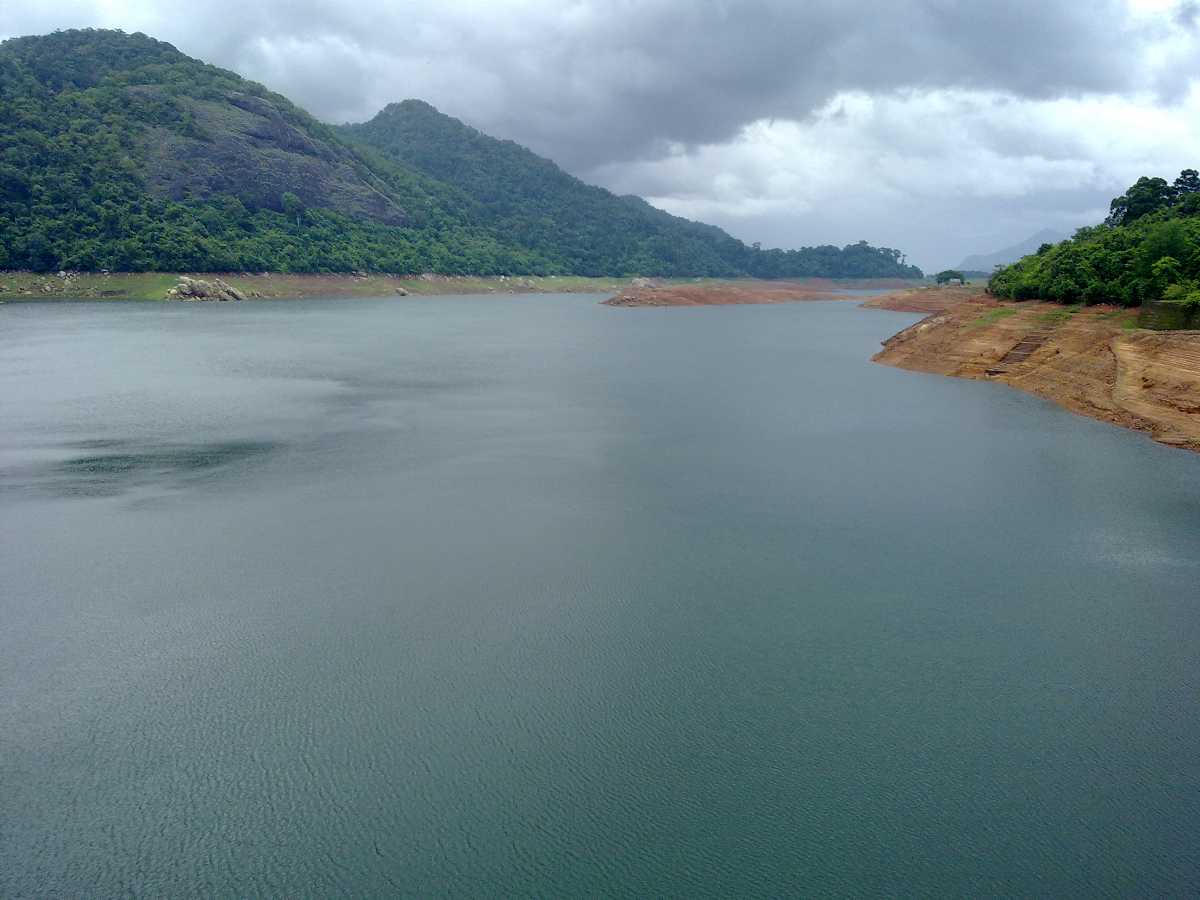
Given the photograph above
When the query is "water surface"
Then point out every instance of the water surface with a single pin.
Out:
(526, 595)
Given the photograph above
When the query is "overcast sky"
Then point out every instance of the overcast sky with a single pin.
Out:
(938, 127)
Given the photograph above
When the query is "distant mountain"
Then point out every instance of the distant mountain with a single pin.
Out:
(117, 151)
(985, 262)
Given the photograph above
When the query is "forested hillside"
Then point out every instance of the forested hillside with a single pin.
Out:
(583, 228)
(119, 152)
(1148, 248)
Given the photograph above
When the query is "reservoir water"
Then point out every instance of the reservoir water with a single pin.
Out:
(483, 596)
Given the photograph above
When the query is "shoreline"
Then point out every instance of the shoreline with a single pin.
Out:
(26, 286)
(643, 293)
(35, 286)
(1093, 361)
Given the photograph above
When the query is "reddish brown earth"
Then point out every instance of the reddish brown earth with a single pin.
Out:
(927, 299)
(726, 293)
(1089, 360)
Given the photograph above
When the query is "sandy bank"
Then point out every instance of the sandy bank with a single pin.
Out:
(1089, 360)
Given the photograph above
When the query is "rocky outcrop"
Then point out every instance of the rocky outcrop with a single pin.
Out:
(200, 289)
(256, 149)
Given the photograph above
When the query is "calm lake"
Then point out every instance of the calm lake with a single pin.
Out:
(526, 595)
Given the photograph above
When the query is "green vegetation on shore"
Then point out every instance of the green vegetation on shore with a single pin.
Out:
(1147, 250)
(70, 285)
(119, 152)
(992, 316)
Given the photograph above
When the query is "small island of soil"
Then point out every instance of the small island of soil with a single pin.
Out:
(643, 292)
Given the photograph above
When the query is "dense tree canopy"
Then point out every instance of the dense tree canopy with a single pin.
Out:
(119, 152)
(1148, 248)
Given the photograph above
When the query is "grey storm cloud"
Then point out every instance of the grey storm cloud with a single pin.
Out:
(657, 97)
(593, 81)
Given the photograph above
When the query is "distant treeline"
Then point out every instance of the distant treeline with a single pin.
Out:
(119, 152)
(1147, 249)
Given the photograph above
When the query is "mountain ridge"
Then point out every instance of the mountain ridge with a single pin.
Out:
(118, 151)
(985, 262)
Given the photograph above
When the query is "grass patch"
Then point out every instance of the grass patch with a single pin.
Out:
(1127, 319)
(992, 316)
(85, 286)
(1058, 316)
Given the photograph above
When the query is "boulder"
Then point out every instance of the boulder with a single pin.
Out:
(199, 289)
(228, 291)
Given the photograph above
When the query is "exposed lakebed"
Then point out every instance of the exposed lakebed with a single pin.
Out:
(526, 595)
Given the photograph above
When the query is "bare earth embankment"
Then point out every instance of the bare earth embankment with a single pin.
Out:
(1090, 360)
(728, 293)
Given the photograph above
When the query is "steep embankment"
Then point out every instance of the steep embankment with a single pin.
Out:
(1089, 360)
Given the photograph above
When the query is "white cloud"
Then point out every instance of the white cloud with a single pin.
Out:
(938, 173)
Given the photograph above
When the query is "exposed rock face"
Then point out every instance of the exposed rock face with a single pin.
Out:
(247, 147)
(199, 289)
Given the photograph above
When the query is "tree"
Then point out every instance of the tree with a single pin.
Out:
(1188, 182)
(293, 206)
(1142, 198)
(1165, 272)
(949, 275)
(39, 255)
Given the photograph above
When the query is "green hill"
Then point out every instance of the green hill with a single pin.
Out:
(1147, 250)
(582, 228)
(119, 152)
